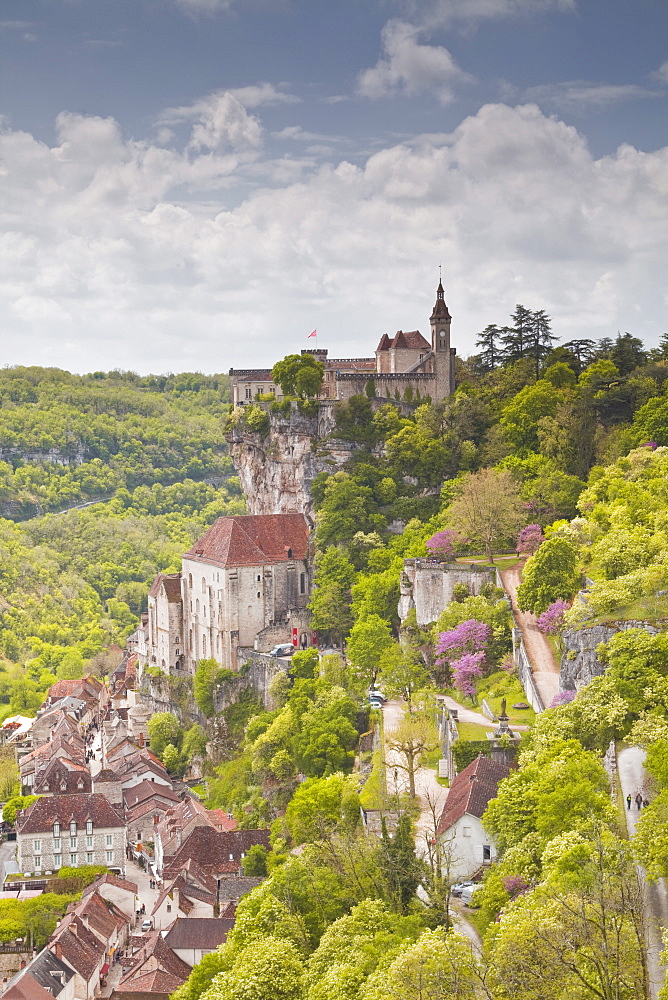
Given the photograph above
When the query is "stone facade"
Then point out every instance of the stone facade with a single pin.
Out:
(245, 584)
(404, 362)
(70, 830)
(427, 585)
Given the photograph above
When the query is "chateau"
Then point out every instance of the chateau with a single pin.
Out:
(244, 584)
(404, 361)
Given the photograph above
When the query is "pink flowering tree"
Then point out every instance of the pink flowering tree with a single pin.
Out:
(552, 619)
(462, 652)
(530, 538)
(442, 544)
(563, 698)
(465, 672)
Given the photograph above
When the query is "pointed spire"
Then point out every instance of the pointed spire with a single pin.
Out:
(440, 309)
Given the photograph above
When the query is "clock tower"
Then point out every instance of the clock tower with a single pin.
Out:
(444, 355)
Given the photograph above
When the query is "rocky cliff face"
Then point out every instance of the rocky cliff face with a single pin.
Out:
(276, 470)
(579, 663)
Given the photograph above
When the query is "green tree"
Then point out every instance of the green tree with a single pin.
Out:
(521, 416)
(171, 758)
(270, 968)
(402, 870)
(304, 664)
(491, 352)
(319, 807)
(402, 672)
(194, 743)
(487, 509)
(299, 375)
(549, 575)
(440, 965)
(204, 685)
(346, 508)
(12, 806)
(255, 862)
(369, 637)
(406, 745)
(163, 728)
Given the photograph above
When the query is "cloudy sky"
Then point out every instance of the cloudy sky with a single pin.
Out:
(198, 184)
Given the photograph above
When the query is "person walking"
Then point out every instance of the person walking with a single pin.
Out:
(639, 800)
(628, 801)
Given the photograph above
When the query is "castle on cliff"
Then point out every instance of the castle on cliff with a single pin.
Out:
(403, 361)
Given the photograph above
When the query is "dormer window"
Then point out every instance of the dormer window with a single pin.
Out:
(89, 826)
(289, 553)
(73, 828)
(56, 829)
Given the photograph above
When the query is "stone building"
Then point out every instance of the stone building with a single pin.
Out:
(407, 361)
(244, 584)
(70, 831)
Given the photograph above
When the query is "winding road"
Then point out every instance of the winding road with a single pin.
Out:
(544, 663)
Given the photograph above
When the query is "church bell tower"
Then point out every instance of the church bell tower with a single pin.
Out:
(444, 355)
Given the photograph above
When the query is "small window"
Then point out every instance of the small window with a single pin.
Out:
(73, 843)
(169, 907)
(37, 846)
(203, 585)
(56, 829)
(258, 595)
(73, 828)
(190, 579)
(110, 857)
(89, 826)
(109, 840)
(289, 553)
(57, 860)
(259, 578)
(302, 583)
(89, 841)
(38, 862)
(56, 844)
(486, 852)
(89, 858)
(231, 857)
(249, 392)
(73, 860)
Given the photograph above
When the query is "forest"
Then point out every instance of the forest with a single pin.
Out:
(557, 453)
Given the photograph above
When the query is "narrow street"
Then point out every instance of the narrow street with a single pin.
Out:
(633, 779)
(543, 661)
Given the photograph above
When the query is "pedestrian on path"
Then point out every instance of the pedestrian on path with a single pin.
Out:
(628, 801)
(645, 802)
(639, 799)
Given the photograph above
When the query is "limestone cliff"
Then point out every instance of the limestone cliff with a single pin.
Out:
(579, 662)
(277, 469)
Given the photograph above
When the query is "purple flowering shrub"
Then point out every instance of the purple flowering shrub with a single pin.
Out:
(563, 698)
(442, 544)
(463, 650)
(552, 619)
(530, 538)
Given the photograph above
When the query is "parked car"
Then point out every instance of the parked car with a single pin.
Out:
(147, 925)
(377, 694)
(467, 895)
(375, 702)
(283, 649)
(458, 888)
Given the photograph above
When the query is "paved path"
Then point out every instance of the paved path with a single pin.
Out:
(426, 786)
(468, 715)
(543, 661)
(633, 779)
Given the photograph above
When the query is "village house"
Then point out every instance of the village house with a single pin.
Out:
(154, 970)
(245, 584)
(121, 892)
(192, 893)
(460, 829)
(70, 830)
(216, 852)
(46, 977)
(196, 937)
(406, 363)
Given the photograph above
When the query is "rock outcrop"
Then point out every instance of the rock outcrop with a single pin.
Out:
(579, 663)
(276, 470)
(428, 586)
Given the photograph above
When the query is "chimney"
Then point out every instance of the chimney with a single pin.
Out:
(58, 949)
(74, 929)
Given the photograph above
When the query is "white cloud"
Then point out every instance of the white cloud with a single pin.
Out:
(410, 68)
(574, 94)
(661, 73)
(446, 13)
(219, 120)
(124, 250)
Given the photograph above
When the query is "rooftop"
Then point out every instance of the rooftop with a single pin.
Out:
(253, 540)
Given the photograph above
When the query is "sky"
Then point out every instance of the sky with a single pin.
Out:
(194, 185)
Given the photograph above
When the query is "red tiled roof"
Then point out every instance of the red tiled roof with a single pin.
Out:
(109, 879)
(172, 584)
(146, 790)
(156, 982)
(220, 818)
(198, 932)
(42, 814)
(27, 988)
(253, 540)
(471, 790)
(211, 850)
(155, 952)
(76, 945)
(412, 340)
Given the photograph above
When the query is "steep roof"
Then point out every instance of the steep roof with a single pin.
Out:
(154, 953)
(233, 887)
(41, 970)
(471, 790)
(27, 988)
(253, 540)
(42, 814)
(172, 586)
(440, 310)
(151, 984)
(145, 791)
(75, 944)
(413, 340)
(211, 850)
(198, 932)
(109, 879)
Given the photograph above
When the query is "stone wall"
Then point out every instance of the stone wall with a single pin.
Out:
(579, 663)
(428, 585)
(258, 672)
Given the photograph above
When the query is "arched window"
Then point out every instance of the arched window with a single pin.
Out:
(197, 606)
(289, 553)
(204, 585)
(302, 583)
(203, 644)
(190, 580)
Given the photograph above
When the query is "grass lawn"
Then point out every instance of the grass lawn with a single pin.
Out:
(501, 685)
(472, 731)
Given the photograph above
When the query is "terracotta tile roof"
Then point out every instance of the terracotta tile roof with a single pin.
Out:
(154, 952)
(253, 540)
(471, 790)
(42, 969)
(145, 791)
(27, 988)
(75, 944)
(221, 819)
(63, 776)
(100, 915)
(155, 983)
(412, 340)
(211, 850)
(109, 879)
(198, 932)
(172, 585)
(42, 814)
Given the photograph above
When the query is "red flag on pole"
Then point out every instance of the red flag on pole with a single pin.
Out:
(314, 334)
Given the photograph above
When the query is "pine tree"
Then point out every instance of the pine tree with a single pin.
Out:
(516, 339)
(491, 353)
(541, 338)
(584, 350)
